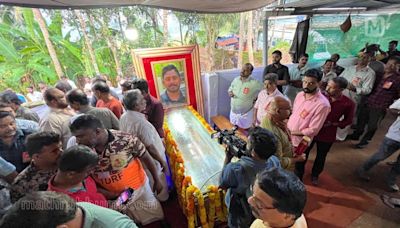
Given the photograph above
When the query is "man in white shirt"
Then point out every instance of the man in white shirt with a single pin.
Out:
(361, 80)
(296, 76)
(70, 82)
(327, 73)
(32, 95)
(389, 146)
(133, 121)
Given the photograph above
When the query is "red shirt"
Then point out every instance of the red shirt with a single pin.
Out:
(155, 114)
(343, 106)
(88, 193)
(114, 105)
(385, 93)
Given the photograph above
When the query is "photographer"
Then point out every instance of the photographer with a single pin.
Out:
(238, 176)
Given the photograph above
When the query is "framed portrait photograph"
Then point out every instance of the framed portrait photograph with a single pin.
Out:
(173, 75)
(171, 82)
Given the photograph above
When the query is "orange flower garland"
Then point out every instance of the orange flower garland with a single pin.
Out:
(190, 205)
(211, 204)
(188, 194)
(202, 209)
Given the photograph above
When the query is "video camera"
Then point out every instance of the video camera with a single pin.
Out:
(234, 145)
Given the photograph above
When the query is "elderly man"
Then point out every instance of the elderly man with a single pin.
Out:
(57, 120)
(172, 83)
(296, 74)
(44, 148)
(278, 200)
(266, 95)
(21, 112)
(120, 167)
(310, 110)
(79, 101)
(12, 141)
(243, 92)
(154, 110)
(105, 99)
(135, 122)
(341, 115)
(279, 111)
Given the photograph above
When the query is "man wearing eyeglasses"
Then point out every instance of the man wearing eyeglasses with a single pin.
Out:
(278, 200)
(310, 109)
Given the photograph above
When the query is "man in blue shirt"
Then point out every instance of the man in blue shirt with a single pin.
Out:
(238, 176)
(12, 141)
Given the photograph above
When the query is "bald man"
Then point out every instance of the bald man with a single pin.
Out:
(57, 119)
(275, 121)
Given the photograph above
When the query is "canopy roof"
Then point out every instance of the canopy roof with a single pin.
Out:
(201, 6)
(306, 7)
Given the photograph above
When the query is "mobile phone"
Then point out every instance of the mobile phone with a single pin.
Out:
(124, 197)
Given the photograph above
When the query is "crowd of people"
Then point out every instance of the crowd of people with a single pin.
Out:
(303, 107)
(97, 159)
(109, 155)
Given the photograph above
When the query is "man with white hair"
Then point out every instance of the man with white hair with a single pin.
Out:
(264, 98)
(135, 123)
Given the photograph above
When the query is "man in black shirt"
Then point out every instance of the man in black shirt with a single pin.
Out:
(392, 51)
(336, 68)
(277, 68)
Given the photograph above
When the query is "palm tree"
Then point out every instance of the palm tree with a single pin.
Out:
(165, 26)
(250, 37)
(88, 42)
(42, 24)
(242, 34)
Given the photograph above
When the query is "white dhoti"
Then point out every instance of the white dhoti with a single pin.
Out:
(143, 207)
(164, 194)
(243, 121)
(341, 134)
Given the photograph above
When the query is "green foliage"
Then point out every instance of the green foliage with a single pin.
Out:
(24, 57)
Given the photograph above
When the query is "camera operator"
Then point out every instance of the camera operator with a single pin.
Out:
(238, 176)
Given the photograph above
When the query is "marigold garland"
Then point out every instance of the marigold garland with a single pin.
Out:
(190, 205)
(211, 204)
(188, 194)
(202, 209)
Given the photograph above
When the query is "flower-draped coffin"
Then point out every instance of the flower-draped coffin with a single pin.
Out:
(196, 162)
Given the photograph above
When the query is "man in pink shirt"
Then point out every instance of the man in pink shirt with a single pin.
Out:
(265, 97)
(310, 109)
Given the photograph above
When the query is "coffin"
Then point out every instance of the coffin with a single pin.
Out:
(196, 162)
